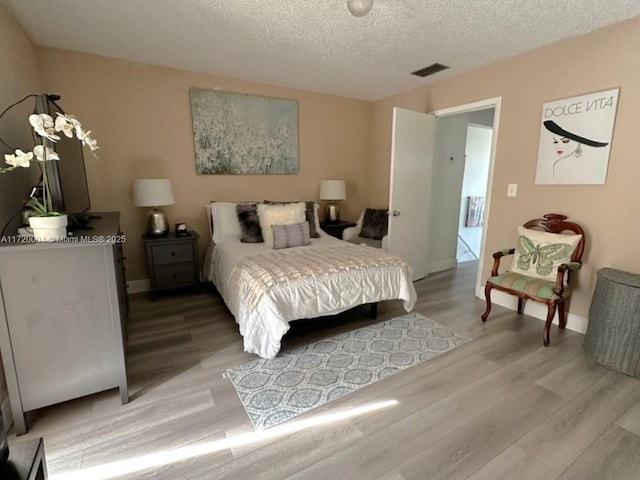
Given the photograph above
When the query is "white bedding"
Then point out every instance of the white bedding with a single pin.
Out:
(264, 319)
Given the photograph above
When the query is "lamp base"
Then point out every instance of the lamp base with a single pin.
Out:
(333, 212)
(157, 225)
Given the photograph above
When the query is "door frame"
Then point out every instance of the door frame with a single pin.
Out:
(495, 103)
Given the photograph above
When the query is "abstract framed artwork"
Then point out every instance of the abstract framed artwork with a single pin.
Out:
(575, 139)
(237, 134)
(475, 212)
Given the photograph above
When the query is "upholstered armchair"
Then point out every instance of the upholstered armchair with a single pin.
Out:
(548, 250)
(371, 229)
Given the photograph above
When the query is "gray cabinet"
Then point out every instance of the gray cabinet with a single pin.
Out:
(27, 461)
(63, 314)
(172, 262)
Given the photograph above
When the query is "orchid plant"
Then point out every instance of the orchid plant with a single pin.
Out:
(46, 128)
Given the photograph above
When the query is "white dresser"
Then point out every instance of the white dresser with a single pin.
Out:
(63, 309)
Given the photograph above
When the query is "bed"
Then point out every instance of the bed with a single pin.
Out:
(266, 288)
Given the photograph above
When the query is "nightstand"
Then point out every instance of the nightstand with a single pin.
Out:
(172, 262)
(335, 229)
(26, 461)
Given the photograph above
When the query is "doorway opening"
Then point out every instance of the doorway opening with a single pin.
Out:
(426, 184)
(474, 188)
(480, 128)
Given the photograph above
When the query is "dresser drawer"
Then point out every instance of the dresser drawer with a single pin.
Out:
(174, 276)
(169, 253)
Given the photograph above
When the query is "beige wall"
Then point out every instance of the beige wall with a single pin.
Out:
(19, 77)
(597, 61)
(141, 117)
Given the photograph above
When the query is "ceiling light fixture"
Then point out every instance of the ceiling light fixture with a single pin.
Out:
(359, 8)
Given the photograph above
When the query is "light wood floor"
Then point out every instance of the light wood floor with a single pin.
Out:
(499, 407)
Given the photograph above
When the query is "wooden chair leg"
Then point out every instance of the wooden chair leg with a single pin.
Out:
(487, 296)
(520, 305)
(551, 311)
(562, 315)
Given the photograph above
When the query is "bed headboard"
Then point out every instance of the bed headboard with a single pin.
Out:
(207, 211)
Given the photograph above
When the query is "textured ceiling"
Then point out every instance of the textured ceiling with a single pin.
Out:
(314, 44)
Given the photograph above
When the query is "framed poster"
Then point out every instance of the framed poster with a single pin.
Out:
(575, 139)
(244, 134)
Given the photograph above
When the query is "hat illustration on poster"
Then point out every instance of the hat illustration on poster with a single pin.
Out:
(576, 136)
(553, 127)
(568, 143)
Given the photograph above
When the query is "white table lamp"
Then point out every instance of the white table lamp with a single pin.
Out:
(154, 192)
(333, 190)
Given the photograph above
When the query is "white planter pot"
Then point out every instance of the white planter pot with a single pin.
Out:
(49, 229)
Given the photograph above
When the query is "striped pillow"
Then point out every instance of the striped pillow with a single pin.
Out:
(286, 236)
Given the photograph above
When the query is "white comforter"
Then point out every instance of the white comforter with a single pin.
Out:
(267, 320)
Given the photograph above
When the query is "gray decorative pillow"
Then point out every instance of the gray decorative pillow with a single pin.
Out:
(374, 224)
(249, 223)
(286, 236)
(309, 213)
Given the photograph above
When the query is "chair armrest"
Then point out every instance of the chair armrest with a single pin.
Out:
(350, 232)
(496, 259)
(562, 269)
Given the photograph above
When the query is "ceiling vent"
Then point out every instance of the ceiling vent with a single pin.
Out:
(430, 70)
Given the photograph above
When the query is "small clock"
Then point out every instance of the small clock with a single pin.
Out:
(181, 230)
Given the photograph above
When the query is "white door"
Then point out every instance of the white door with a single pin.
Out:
(412, 144)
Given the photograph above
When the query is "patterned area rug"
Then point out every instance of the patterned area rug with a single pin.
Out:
(273, 391)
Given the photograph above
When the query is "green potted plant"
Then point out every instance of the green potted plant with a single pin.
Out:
(47, 224)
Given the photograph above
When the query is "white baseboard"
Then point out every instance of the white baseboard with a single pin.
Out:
(534, 309)
(138, 286)
(443, 265)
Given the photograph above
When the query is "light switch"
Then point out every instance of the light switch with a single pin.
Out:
(512, 190)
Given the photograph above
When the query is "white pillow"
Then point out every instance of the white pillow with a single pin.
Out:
(225, 221)
(539, 254)
(287, 214)
(316, 210)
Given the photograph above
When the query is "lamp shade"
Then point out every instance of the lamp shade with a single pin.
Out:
(333, 190)
(152, 192)
(359, 8)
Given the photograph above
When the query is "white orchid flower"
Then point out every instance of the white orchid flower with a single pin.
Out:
(40, 121)
(43, 125)
(91, 143)
(19, 159)
(70, 118)
(64, 125)
(49, 152)
(74, 122)
(81, 133)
